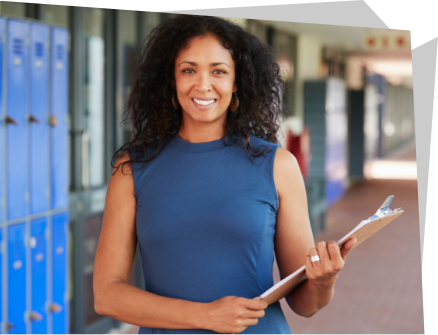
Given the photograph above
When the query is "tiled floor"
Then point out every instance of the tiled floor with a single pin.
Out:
(379, 290)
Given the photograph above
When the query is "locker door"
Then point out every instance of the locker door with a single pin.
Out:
(38, 268)
(16, 148)
(59, 109)
(2, 48)
(59, 272)
(39, 131)
(17, 278)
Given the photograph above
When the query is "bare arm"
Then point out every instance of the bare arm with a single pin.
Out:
(114, 297)
(114, 258)
(294, 241)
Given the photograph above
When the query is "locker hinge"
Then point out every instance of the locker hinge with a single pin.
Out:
(26, 317)
(48, 44)
(26, 197)
(47, 233)
(69, 42)
(4, 38)
(3, 204)
(32, 241)
(27, 41)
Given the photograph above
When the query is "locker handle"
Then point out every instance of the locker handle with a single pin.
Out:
(52, 121)
(9, 326)
(11, 120)
(35, 316)
(33, 119)
(55, 308)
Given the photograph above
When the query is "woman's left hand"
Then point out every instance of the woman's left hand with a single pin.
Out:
(332, 260)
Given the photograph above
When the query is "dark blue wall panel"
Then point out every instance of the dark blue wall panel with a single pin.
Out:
(16, 147)
(39, 132)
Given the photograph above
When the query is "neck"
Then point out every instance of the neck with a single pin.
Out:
(200, 134)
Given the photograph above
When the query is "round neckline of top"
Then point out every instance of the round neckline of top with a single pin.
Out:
(199, 148)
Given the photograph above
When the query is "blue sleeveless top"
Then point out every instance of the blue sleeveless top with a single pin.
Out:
(205, 223)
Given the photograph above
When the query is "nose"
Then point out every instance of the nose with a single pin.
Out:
(203, 84)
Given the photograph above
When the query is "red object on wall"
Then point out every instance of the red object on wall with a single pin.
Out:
(299, 146)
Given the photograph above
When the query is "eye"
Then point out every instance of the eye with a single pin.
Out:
(188, 70)
(220, 71)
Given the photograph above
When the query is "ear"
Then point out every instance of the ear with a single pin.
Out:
(234, 88)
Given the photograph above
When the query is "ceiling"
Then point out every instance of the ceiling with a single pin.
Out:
(344, 25)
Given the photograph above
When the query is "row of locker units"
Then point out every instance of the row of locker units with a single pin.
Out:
(34, 110)
(34, 215)
(34, 296)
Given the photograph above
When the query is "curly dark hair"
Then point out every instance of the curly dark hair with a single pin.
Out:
(150, 111)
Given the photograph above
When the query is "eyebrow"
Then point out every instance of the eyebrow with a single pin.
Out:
(211, 64)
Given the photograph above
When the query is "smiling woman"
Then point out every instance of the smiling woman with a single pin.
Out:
(210, 207)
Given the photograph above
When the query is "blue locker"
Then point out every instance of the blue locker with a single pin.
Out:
(59, 109)
(17, 278)
(16, 148)
(38, 268)
(2, 48)
(39, 130)
(59, 273)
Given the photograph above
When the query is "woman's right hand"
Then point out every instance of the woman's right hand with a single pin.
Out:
(233, 314)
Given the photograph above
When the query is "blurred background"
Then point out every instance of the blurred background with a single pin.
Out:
(67, 73)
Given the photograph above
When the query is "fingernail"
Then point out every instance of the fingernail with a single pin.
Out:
(257, 298)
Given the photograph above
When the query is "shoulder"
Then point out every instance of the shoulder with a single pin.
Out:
(287, 174)
(122, 164)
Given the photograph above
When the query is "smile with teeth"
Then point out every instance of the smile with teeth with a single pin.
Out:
(204, 102)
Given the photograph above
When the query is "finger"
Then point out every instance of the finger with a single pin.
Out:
(309, 267)
(251, 322)
(253, 314)
(254, 303)
(346, 248)
(334, 250)
(323, 253)
(313, 252)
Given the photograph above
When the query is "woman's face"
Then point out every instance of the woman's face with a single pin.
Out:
(204, 80)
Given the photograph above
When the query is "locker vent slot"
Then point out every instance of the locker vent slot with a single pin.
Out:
(39, 49)
(17, 46)
(59, 52)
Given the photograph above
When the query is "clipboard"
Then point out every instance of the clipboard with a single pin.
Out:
(361, 232)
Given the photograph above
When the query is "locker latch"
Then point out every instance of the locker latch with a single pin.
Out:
(35, 316)
(52, 120)
(33, 119)
(9, 326)
(10, 120)
(55, 308)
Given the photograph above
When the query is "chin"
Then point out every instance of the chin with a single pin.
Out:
(206, 116)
